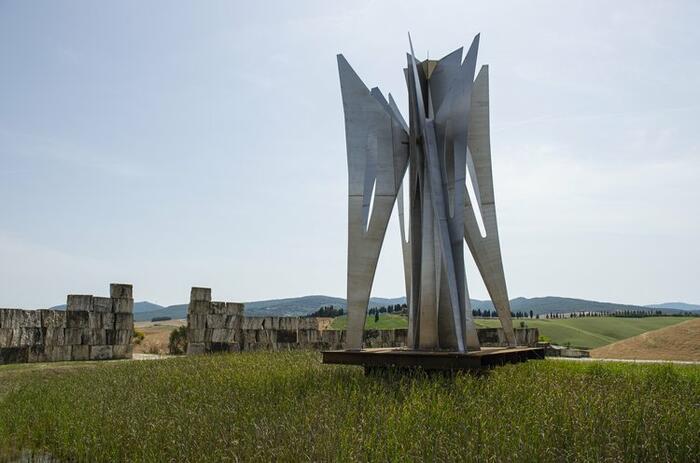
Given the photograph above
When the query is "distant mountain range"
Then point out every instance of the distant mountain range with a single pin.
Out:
(676, 305)
(300, 306)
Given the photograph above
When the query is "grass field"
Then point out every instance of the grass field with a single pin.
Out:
(675, 342)
(386, 322)
(288, 407)
(588, 332)
(591, 332)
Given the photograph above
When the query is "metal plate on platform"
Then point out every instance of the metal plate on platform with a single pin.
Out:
(432, 360)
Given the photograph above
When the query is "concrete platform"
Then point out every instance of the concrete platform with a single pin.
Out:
(487, 357)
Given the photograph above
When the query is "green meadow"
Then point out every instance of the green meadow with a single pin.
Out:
(289, 407)
(586, 332)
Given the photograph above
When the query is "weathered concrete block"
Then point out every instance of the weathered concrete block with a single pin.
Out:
(217, 307)
(80, 352)
(6, 337)
(195, 348)
(52, 318)
(222, 336)
(234, 308)
(79, 302)
(123, 305)
(289, 323)
(198, 307)
(78, 319)
(75, 336)
(57, 353)
(100, 352)
(30, 336)
(102, 304)
(13, 355)
(119, 337)
(196, 321)
(35, 354)
(200, 294)
(123, 321)
(252, 323)
(121, 291)
(223, 347)
(233, 322)
(98, 337)
(17, 318)
(195, 335)
(216, 321)
(122, 352)
(54, 336)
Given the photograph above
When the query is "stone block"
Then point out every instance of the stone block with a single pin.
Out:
(216, 321)
(196, 321)
(57, 353)
(79, 302)
(100, 352)
(52, 318)
(99, 320)
(78, 319)
(195, 335)
(30, 336)
(223, 347)
(75, 336)
(80, 353)
(54, 336)
(35, 354)
(6, 337)
(198, 307)
(102, 304)
(196, 348)
(200, 294)
(13, 355)
(123, 305)
(119, 337)
(122, 352)
(233, 322)
(123, 321)
(289, 323)
(216, 307)
(98, 337)
(252, 323)
(309, 323)
(234, 308)
(222, 336)
(121, 291)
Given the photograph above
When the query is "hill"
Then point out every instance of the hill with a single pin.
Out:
(676, 342)
(591, 332)
(676, 305)
(300, 306)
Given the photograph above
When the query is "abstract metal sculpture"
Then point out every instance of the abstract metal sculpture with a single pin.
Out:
(448, 136)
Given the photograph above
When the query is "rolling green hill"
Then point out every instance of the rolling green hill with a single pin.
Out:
(587, 333)
(590, 332)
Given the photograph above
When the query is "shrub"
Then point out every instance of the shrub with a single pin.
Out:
(177, 345)
(138, 336)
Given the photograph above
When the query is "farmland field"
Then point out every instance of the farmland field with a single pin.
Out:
(591, 332)
(587, 332)
(288, 407)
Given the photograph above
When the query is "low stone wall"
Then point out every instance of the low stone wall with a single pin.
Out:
(91, 328)
(212, 326)
(495, 337)
(221, 327)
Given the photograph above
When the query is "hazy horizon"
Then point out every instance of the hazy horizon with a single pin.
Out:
(180, 144)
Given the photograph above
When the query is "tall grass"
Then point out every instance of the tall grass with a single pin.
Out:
(289, 407)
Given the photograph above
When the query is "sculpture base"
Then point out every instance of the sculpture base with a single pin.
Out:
(401, 358)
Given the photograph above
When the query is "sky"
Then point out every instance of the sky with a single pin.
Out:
(171, 144)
